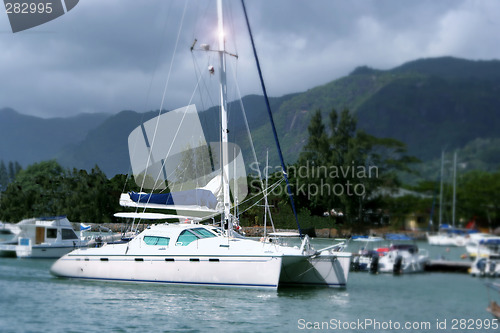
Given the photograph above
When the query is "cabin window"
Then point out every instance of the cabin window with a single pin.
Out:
(68, 234)
(186, 237)
(203, 233)
(155, 240)
(51, 233)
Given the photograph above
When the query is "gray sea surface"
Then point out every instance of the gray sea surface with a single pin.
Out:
(31, 300)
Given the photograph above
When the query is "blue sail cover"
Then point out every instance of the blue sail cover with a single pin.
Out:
(198, 197)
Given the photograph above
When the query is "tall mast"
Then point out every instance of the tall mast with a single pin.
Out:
(269, 112)
(441, 190)
(265, 195)
(223, 110)
(454, 186)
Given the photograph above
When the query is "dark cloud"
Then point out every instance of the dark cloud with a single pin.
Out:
(107, 56)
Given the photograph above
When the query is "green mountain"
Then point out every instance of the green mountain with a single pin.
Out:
(106, 145)
(436, 103)
(28, 139)
(479, 154)
(429, 104)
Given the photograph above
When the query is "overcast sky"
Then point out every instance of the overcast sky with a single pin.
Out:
(113, 55)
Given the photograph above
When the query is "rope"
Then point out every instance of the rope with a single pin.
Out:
(254, 196)
(165, 88)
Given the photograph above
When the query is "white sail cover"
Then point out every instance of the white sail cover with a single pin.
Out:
(169, 154)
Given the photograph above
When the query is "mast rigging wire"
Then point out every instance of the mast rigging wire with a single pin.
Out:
(290, 195)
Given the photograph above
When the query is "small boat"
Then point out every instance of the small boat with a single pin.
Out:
(403, 256)
(487, 265)
(44, 237)
(450, 236)
(369, 254)
(482, 245)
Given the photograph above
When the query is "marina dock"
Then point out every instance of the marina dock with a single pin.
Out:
(448, 266)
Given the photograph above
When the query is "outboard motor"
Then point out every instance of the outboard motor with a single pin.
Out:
(355, 264)
(492, 268)
(374, 264)
(481, 266)
(398, 263)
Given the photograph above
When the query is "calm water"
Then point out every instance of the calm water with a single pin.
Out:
(31, 300)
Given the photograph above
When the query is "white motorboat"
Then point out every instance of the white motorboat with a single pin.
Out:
(486, 266)
(482, 245)
(450, 236)
(403, 257)
(45, 237)
(487, 262)
(167, 151)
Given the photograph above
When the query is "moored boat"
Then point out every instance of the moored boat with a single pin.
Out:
(450, 236)
(403, 256)
(196, 254)
(369, 254)
(487, 260)
(204, 182)
(44, 237)
(482, 245)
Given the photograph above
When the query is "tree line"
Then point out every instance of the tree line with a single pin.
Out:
(47, 189)
(344, 177)
(8, 173)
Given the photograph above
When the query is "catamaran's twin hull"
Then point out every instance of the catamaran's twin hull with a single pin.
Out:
(329, 270)
(258, 272)
(200, 256)
(251, 272)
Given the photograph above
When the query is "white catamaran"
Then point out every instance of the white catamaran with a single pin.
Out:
(193, 253)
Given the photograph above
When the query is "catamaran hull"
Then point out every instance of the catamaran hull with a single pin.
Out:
(325, 270)
(250, 272)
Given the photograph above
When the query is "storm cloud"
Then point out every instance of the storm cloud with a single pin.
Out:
(113, 55)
